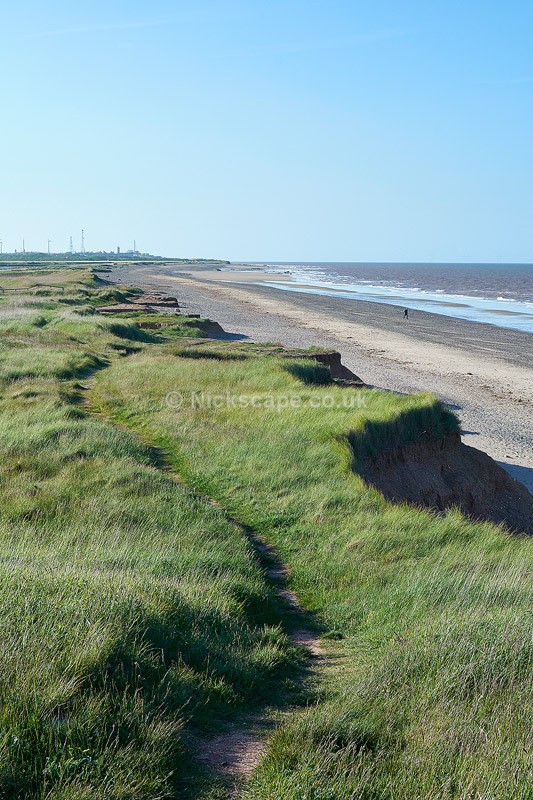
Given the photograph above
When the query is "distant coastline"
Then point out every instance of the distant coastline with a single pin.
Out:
(29, 258)
(496, 294)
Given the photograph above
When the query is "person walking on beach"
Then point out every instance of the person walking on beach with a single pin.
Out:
(406, 314)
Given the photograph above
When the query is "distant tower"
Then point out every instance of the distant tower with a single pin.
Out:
(82, 241)
(134, 246)
(49, 242)
(1, 246)
(23, 246)
(71, 246)
(118, 251)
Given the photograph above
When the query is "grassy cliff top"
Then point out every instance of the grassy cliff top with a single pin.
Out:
(136, 618)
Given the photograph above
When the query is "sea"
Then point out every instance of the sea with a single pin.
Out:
(497, 294)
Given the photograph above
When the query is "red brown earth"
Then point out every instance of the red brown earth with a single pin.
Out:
(440, 474)
(330, 359)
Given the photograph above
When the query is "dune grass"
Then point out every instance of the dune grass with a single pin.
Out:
(135, 617)
(133, 612)
(428, 693)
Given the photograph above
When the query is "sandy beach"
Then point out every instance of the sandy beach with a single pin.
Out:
(481, 371)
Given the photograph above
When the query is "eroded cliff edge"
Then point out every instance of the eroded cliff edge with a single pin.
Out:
(443, 473)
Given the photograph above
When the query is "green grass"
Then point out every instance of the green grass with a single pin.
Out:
(135, 616)
(133, 612)
(428, 617)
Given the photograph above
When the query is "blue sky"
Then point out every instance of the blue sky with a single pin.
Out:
(295, 130)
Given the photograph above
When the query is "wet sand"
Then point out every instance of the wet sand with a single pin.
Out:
(483, 372)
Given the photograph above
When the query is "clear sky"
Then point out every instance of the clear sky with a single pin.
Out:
(269, 129)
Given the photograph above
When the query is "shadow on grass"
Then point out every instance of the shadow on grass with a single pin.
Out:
(415, 424)
(309, 372)
(216, 355)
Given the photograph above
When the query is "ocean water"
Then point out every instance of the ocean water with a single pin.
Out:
(498, 294)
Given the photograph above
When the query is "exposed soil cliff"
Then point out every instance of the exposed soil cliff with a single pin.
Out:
(330, 359)
(439, 474)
